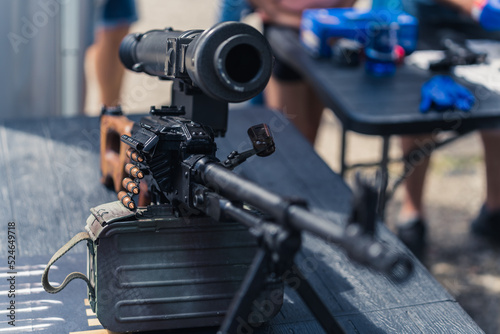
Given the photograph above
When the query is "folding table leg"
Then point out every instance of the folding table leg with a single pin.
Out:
(384, 174)
(343, 144)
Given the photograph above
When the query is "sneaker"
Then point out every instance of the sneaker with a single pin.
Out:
(487, 224)
(412, 234)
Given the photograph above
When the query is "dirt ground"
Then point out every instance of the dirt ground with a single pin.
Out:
(467, 267)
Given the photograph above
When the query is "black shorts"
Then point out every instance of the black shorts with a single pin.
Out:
(281, 70)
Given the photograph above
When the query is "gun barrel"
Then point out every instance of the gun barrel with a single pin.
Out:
(361, 248)
(231, 61)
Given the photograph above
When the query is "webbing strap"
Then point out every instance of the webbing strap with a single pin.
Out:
(63, 250)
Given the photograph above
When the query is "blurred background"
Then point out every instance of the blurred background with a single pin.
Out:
(48, 69)
(139, 92)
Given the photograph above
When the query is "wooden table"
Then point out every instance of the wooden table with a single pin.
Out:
(51, 179)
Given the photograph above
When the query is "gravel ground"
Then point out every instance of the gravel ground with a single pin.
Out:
(466, 266)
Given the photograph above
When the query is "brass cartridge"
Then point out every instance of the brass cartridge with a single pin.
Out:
(130, 186)
(134, 171)
(134, 155)
(126, 200)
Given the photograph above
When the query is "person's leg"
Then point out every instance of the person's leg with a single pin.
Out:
(411, 227)
(288, 92)
(113, 19)
(271, 97)
(109, 69)
(315, 112)
(491, 143)
(416, 165)
(298, 102)
(487, 223)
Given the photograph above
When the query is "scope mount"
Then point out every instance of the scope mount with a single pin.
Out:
(199, 107)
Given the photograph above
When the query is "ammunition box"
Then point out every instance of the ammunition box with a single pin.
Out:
(151, 270)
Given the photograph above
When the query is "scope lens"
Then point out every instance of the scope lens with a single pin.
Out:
(243, 63)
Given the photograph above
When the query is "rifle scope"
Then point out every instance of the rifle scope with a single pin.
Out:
(230, 62)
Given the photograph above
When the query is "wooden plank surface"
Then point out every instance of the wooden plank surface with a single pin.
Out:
(52, 169)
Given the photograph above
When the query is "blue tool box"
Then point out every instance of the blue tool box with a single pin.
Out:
(321, 27)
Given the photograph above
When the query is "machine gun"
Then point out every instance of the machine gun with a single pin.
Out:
(174, 154)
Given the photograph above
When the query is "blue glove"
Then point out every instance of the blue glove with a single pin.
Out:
(487, 13)
(442, 93)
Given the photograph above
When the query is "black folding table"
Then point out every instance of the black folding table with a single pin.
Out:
(382, 106)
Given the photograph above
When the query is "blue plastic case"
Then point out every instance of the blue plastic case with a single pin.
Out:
(321, 27)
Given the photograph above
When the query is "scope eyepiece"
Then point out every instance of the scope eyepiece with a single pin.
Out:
(127, 50)
(230, 62)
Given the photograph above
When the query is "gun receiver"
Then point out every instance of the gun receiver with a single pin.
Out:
(173, 152)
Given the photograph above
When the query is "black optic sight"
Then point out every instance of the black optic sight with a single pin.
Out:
(229, 62)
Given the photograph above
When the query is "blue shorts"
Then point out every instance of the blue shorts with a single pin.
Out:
(114, 13)
(105, 14)
(234, 10)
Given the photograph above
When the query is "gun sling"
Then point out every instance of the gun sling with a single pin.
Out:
(75, 275)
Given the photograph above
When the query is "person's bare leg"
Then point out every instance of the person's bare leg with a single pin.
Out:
(417, 166)
(315, 112)
(271, 97)
(411, 227)
(487, 222)
(298, 102)
(491, 142)
(109, 70)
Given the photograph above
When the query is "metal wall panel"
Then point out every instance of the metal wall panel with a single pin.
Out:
(41, 69)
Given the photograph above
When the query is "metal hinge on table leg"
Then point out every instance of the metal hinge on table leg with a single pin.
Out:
(386, 194)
